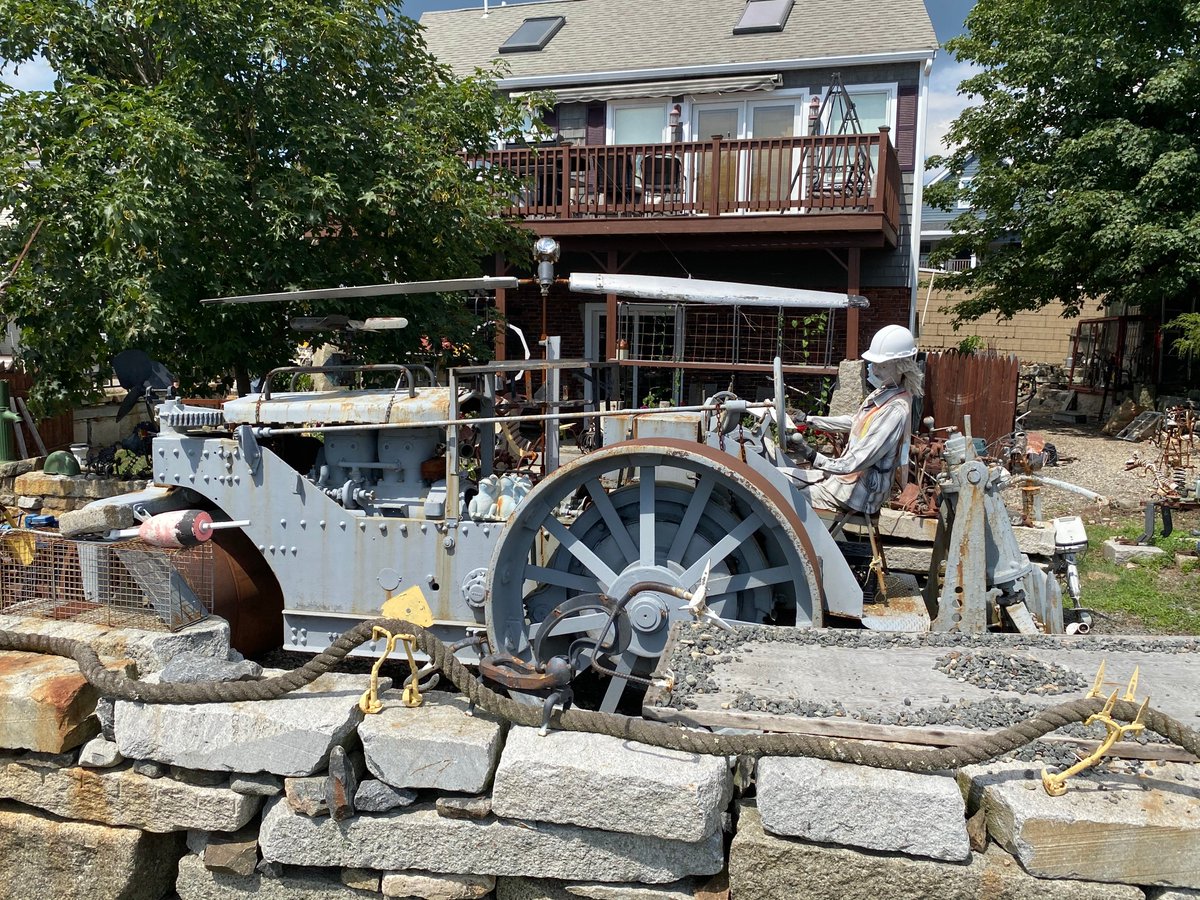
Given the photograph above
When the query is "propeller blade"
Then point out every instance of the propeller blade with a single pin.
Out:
(383, 323)
(486, 283)
(724, 293)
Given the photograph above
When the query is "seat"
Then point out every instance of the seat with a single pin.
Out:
(662, 178)
(617, 181)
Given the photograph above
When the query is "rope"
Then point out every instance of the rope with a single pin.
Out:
(116, 684)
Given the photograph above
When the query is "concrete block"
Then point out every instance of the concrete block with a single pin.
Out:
(196, 882)
(1137, 829)
(765, 867)
(149, 650)
(45, 703)
(1116, 552)
(431, 886)
(290, 736)
(120, 796)
(436, 745)
(95, 518)
(901, 526)
(606, 782)
(857, 806)
(47, 857)
(418, 838)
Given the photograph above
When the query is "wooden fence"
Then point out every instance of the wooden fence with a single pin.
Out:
(980, 385)
(57, 433)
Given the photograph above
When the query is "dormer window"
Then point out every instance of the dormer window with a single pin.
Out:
(761, 16)
(534, 34)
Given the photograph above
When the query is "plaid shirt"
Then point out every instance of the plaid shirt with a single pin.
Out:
(861, 478)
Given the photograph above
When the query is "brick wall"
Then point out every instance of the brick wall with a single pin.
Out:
(1043, 336)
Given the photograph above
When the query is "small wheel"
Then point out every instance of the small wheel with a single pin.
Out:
(685, 506)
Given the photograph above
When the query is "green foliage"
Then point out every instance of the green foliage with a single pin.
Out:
(971, 344)
(197, 149)
(1154, 596)
(1187, 344)
(1088, 147)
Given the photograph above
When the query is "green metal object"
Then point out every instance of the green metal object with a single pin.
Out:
(60, 462)
(8, 420)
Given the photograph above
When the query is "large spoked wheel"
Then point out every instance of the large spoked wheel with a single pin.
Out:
(652, 511)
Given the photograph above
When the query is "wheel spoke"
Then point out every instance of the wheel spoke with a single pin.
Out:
(646, 515)
(722, 548)
(559, 578)
(608, 512)
(731, 584)
(581, 552)
(691, 518)
(592, 621)
(616, 685)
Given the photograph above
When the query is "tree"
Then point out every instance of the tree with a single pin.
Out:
(1088, 141)
(198, 148)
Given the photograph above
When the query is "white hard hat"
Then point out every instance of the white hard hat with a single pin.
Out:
(891, 342)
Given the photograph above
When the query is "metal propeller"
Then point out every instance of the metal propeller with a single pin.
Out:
(485, 283)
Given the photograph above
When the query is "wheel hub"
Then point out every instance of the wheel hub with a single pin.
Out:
(648, 612)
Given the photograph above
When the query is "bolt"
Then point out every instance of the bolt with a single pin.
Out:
(283, 523)
(383, 527)
(302, 523)
(448, 542)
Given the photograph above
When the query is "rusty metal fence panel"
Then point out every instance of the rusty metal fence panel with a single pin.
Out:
(126, 583)
(980, 385)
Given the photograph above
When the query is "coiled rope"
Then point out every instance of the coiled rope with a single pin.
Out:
(976, 749)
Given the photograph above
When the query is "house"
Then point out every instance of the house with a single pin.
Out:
(1041, 337)
(761, 141)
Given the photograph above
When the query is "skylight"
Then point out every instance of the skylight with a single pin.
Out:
(763, 15)
(534, 34)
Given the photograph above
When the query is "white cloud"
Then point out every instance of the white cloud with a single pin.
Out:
(945, 103)
(35, 75)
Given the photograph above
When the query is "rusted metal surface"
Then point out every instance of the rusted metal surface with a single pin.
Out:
(980, 385)
(343, 407)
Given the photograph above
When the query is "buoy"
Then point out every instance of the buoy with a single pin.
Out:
(180, 528)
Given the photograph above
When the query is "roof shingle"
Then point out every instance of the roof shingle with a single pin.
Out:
(629, 35)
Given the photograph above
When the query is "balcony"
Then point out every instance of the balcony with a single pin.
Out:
(840, 189)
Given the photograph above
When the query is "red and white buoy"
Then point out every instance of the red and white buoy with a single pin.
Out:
(181, 528)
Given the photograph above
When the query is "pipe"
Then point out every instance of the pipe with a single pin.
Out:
(1064, 485)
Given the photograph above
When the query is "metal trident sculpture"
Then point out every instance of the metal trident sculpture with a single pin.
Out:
(1056, 784)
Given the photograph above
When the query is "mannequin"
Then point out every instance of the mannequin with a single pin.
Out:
(861, 478)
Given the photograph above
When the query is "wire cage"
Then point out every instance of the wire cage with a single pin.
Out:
(126, 583)
(693, 335)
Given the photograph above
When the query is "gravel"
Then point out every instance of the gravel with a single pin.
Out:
(1007, 672)
(984, 660)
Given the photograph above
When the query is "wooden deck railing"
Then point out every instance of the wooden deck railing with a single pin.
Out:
(789, 175)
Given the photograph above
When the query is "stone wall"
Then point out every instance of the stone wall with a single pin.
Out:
(307, 797)
(24, 485)
(1043, 336)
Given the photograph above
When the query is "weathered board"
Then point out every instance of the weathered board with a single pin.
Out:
(872, 677)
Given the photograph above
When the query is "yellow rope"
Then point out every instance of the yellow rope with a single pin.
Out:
(369, 702)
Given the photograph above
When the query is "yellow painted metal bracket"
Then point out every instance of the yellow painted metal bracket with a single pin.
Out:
(369, 703)
(1056, 783)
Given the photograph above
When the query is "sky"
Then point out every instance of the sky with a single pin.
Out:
(944, 102)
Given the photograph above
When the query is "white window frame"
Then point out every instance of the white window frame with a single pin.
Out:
(611, 117)
(891, 88)
(963, 183)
